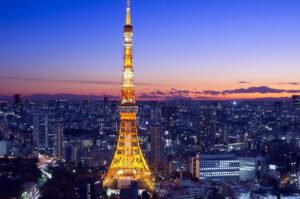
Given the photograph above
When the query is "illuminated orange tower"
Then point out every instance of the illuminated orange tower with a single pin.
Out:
(128, 163)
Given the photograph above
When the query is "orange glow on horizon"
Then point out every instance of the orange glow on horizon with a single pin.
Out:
(26, 88)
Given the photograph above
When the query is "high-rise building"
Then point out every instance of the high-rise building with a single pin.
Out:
(128, 163)
(296, 105)
(169, 116)
(157, 148)
(248, 167)
(276, 161)
(58, 140)
(43, 132)
(205, 123)
(194, 165)
(219, 167)
(18, 107)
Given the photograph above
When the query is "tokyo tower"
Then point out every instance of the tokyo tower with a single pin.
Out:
(128, 163)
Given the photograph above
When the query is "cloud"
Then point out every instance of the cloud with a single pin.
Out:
(209, 94)
(74, 81)
(170, 94)
(290, 83)
(243, 82)
(260, 89)
(174, 94)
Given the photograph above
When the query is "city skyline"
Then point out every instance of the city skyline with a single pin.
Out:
(216, 114)
(207, 50)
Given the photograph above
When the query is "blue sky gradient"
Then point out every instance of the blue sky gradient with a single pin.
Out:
(184, 44)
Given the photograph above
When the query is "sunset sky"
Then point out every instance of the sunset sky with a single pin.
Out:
(205, 49)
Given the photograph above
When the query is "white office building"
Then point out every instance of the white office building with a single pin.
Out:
(219, 167)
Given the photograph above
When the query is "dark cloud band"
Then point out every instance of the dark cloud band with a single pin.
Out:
(173, 93)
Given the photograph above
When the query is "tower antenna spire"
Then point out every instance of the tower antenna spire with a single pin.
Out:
(128, 18)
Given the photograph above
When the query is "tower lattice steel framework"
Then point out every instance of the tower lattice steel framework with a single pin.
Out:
(128, 162)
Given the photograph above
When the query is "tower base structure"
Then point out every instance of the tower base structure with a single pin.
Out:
(128, 163)
(123, 185)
